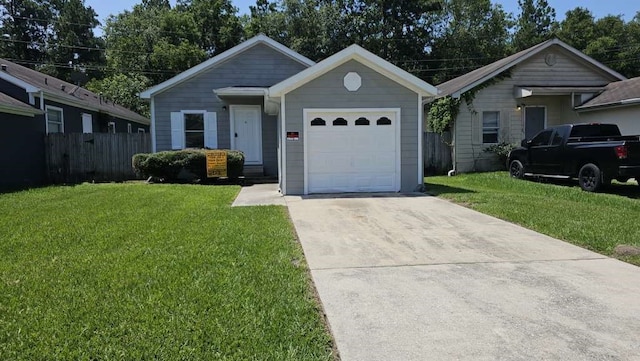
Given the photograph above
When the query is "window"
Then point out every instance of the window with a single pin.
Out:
(55, 120)
(542, 138)
(340, 121)
(384, 121)
(490, 127)
(111, 127)
(318, 122)
(141, 130)
(194, 130)
(362, 121)
(129, 128)
(557, 138)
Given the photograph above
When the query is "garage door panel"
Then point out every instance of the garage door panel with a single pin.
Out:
(352, 158)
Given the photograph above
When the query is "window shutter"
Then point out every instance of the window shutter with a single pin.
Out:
(177, 131)
(211, 130)
(476, 128)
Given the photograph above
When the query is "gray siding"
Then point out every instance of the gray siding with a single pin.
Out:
(568, 71)
(377, 91)
(627, 118)
(258, 66)
(22, 152)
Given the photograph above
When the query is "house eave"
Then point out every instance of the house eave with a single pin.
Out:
(617, 104)
(208, 64)
(19, 111)
(361, 55)
(79, 104)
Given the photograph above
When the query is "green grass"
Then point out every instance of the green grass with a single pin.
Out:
(137, 271)
(596, 221)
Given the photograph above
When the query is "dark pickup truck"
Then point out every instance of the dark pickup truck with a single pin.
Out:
(593, 153)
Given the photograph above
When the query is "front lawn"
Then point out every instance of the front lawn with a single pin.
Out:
(596, 221)
(138, 272)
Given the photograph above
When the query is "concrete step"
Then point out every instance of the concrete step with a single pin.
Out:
(251, 171)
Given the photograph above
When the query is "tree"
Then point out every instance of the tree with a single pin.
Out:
(216, 23)
(534, 24)
(155, 41)
(24, 29)
(74, 43)
(470, 34)
(123, 89)
(577, 28)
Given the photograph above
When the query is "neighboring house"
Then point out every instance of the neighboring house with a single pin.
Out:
(349, 123)
(619, 103)
(33, 104)
(516, 97)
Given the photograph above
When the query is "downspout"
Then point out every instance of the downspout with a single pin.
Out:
(454, 157)
(452, 172)
(42, 100)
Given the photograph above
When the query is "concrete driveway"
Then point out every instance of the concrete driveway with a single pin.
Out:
(419, 278)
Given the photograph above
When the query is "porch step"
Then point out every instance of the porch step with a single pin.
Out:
(251, 171)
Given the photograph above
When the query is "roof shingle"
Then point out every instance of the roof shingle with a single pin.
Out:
(70, 92)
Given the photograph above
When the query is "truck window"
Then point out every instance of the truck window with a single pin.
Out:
(542, 138)
(595, 130)
(557, 138)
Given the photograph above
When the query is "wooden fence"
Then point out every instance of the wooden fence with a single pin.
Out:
(437, 153)
(101, 157)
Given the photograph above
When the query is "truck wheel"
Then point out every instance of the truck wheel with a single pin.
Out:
(516, 169)
(590, 177)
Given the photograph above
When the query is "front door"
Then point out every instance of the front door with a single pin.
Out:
(246, 132)
(534, 121)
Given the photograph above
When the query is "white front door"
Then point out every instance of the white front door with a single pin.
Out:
(246, 132)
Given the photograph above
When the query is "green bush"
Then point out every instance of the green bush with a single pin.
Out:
(173, 165)
(501, 150)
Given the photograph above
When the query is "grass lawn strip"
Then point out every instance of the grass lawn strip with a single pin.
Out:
(136, 271)
(596, 221)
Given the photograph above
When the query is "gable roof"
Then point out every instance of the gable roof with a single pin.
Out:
(455, 87)
(14, 106)
(258, 39)
(625, 92)
(354, 52)
(58, 90)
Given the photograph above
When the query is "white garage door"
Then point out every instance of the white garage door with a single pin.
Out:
(352, 151)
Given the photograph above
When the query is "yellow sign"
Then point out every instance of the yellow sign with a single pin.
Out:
(216, 163)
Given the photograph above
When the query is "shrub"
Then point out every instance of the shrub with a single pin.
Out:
(501, 150)
(170, 166)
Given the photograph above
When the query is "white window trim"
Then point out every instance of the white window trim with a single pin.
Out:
(141, 130)
(46, 117)
(109, 126)
(306, 126)
(496, 128)
(129, 128)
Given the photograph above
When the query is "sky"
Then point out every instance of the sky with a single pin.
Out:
(599, 8)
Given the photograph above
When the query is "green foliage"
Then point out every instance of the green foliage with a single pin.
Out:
(473, 34)
(52, 36)
(597, 221)
(534, 24)
(163, 272)
(168, 165)
(442, 114)
(502, 150)
(123, 89)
